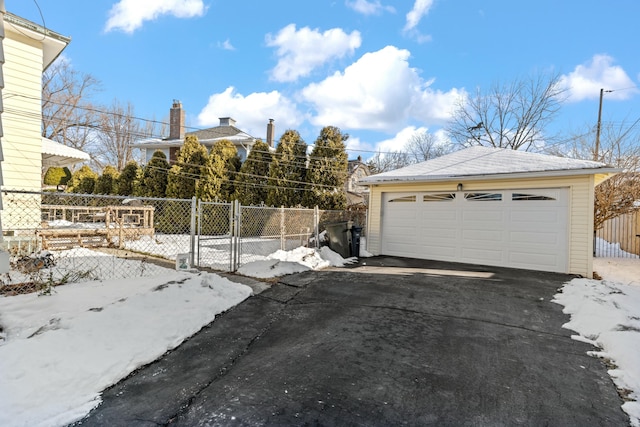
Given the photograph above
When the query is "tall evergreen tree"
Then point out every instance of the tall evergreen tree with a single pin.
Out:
(220, 172)
(251, 188)
(129, 179)
(107, 182)
(287, 171)
(327, 171)
(154, 176)
(184, 175)
(82, 181)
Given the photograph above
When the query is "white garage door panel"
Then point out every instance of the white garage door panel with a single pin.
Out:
(472, 235)
(482, 256)
(535, 216)
(529, 261)
(481, 213)
(511, 228)
(530, 239)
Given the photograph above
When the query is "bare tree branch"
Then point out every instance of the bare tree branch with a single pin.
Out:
(511, 116)
(67, 114)
(118, 130)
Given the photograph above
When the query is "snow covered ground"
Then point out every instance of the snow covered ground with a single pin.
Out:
(58, 352)
(606, 313)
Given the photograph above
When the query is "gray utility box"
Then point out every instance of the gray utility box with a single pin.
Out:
(339, 234)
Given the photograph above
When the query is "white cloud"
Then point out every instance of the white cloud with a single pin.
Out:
(586, 80)
(369, 7)
(129, 15)
(380, 91)
(226, 45)
(300, 51)
(420, 9)
(399, 141)
(252, 111)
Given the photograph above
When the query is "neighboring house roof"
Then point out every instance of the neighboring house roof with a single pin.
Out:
(56, 154)
(489, 163)
(205, 137)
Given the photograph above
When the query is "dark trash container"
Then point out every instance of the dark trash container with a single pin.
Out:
(356, 232)
(340, 237)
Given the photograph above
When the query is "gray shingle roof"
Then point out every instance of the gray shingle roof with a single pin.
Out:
(218, 132)
(478, 162)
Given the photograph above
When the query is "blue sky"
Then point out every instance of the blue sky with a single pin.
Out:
(378, 69)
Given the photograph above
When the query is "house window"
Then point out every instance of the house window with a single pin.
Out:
(439, 197)
(483, 197)
(523, 196)
(403, 199)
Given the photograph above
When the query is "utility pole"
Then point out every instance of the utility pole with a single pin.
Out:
(596, 154)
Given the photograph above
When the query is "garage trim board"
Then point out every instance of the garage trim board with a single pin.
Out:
(524, 228)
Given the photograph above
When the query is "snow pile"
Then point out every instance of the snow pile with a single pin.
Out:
(58, 352)
(606, 314)
(281, 263)
(607, 249)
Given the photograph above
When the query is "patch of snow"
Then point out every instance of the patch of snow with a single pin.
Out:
(60, 351)
(613, 250)
(606, 314)
(281, 263)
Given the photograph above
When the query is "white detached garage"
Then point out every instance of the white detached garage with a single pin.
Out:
(488, 206)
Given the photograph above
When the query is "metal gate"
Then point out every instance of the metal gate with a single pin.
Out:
(228, 235)
(215, 239)
(264, 230)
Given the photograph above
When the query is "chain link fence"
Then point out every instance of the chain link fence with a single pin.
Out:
(55, 238)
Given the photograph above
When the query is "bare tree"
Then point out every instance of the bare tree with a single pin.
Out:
(384, 162)
(118, 130)
(420, 147)
(68, 115)
(424, 146)
(619, 147)
(512, 115)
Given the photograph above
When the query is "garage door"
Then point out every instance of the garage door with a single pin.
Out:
(508, 228)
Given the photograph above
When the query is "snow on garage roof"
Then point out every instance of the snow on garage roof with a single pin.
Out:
(488, 162)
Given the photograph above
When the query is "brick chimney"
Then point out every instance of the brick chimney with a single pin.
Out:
(271, 132)
(176, 121)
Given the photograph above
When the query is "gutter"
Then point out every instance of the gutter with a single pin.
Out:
(370, 181)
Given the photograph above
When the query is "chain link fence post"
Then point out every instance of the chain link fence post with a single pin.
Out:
(192, 252)
(316, 226)
(282, 229)
(235, 235)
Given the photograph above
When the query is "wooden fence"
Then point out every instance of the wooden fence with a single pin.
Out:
(623, 231)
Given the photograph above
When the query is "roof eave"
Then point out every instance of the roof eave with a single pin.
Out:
(53, 43)
(605, 172)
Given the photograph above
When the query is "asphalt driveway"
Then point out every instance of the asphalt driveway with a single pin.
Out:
(389, 341)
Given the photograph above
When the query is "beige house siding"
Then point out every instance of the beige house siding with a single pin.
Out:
(21, 119)
(580, 219)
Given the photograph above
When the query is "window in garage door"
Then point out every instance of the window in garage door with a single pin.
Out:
(439, 197)
(523, 196)
(404, 199)
(483, 197)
